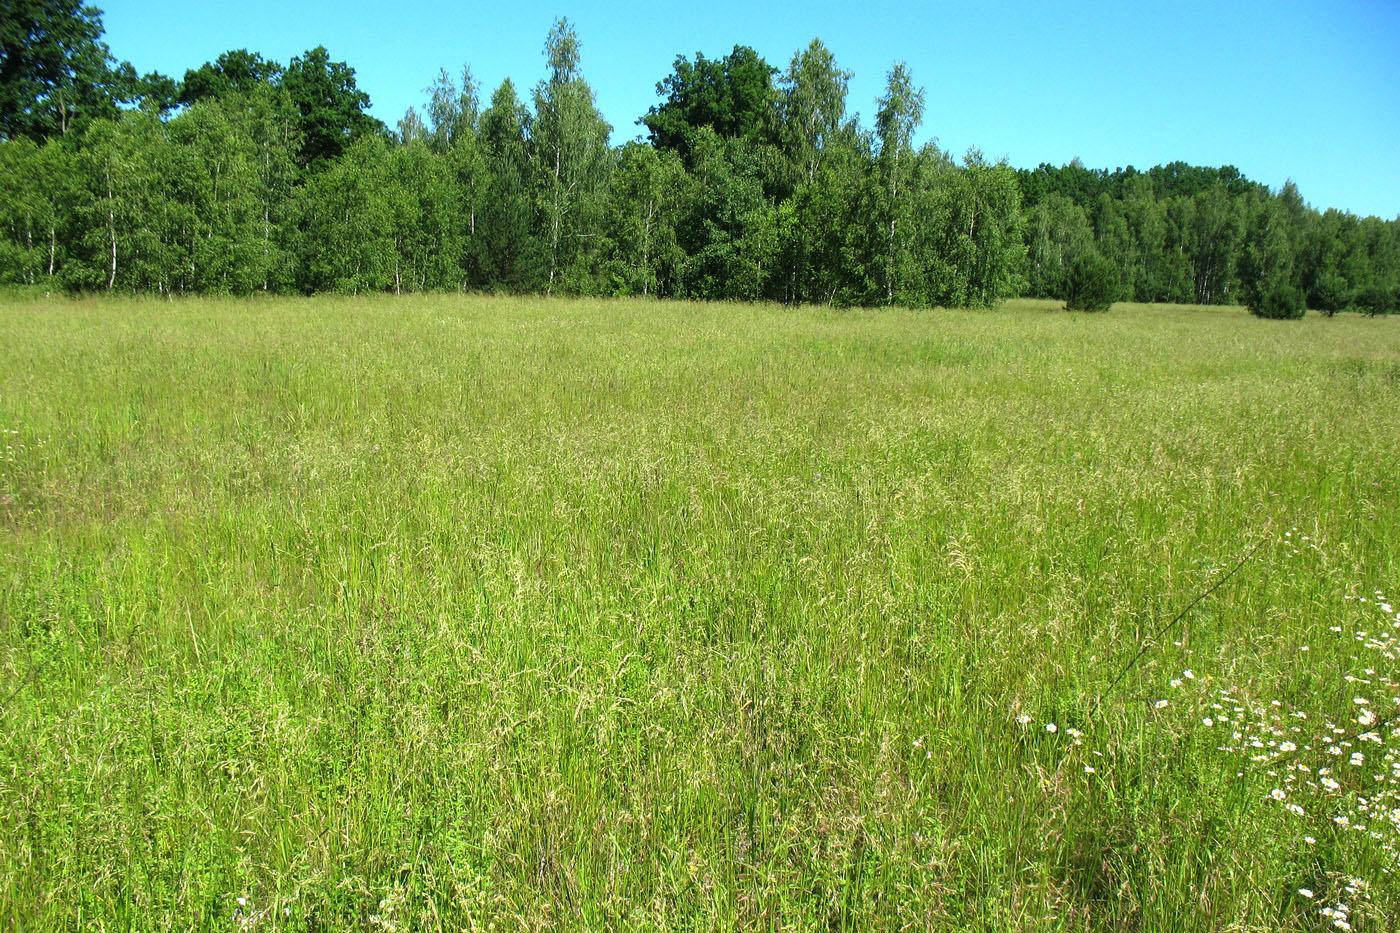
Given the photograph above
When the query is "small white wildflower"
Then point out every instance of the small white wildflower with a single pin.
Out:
(1305, 892)
(1161, 704)
(242, 902)
(1310, 840)
(1089, 769)
(1051, 727)
(1277, 794)
(1176, 682)
(1023, 719)
(1189, 675)
(1208, 721)
(1361, 701)
(1331, 784)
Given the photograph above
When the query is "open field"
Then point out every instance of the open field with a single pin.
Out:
(470, 613)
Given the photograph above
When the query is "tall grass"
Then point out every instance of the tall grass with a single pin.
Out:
(495, 614)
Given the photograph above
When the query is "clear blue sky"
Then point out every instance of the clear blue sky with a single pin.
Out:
(1300, 89)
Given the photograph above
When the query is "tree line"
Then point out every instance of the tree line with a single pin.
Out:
(752, 183)
(1205, 235)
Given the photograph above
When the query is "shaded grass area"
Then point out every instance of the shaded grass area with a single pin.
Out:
(440, 612)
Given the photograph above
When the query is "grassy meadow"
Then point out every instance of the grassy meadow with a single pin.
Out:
(467, 613)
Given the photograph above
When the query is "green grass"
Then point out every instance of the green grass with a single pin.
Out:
(468, 613)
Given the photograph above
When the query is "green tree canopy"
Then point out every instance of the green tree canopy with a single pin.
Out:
(572, 161)
(732, 95)
(56, 73)
(332, 108)
(234, 72)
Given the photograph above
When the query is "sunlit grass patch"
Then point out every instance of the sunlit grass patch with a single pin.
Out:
(441, 612)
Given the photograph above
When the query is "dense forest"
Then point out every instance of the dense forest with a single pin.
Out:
(752, 182)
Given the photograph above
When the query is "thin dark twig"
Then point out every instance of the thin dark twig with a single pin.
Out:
(1150, 639)
(25, 681)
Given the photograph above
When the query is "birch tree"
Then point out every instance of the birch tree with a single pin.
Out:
(900, 112)
(572, 161)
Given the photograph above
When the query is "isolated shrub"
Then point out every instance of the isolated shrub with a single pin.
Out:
(1329, 294)
(1091, 284)
(1279, 301)
(1377, 300)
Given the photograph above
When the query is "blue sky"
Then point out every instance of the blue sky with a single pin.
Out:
(1295, 89)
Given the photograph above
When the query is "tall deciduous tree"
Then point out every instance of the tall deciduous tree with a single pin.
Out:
(38, 188)
(572, 161)
(126, 211)
(237, 71)
(331, 107)
(1212, 231)
(812, 106)
(648, 189)
(726, 230)
(348, 213)
(1058, 233)
(56, 73)
(900, 112)
(507, 249)
(977, 247)
(733, 96)
(1265, 260)
(452, 109)
(428, 219)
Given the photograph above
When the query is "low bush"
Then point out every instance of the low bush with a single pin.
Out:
(1280, 302)
(1378, 300)
(1091, 284)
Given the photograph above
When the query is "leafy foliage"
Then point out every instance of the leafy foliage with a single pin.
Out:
(754, 185)
(571, 161)
(235, 72)
(332, 108)
(1058, 233)
(733, 96)
(56, 73)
